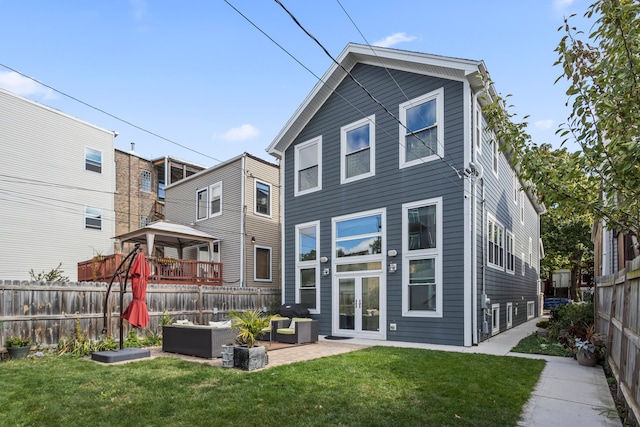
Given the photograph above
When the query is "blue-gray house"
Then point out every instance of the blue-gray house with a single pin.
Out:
(402, 220)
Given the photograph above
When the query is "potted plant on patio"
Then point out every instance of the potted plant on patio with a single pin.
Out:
(18, 347)
(588, 349)
(250, 325)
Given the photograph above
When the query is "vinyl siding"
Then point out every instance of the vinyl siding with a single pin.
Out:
(42, 217)
(389, 188)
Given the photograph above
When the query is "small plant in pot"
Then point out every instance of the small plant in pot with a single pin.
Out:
(590, 348)
(250, 325)
(18, 347)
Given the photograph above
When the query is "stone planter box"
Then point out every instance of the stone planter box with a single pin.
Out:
(249, 359)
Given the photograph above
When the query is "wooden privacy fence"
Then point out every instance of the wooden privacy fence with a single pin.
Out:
(48, 311)
(617, 316)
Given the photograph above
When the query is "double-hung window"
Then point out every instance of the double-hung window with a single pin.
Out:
(422, 258)
(201, 204)
(263, 198)
(308, 167)
(357, 144)
(422, 129)
(495, 239)
(495, 153)
(511, 256)
(92, 218)
(215, 196)
(92, 160)
(307, 265)
(262, 264)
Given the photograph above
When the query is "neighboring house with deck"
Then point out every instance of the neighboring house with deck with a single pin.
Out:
(402, 220)
(58, 185)
(237, 201)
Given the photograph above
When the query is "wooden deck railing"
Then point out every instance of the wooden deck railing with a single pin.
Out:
(163, 270)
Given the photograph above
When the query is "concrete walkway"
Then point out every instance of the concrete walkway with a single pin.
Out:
(567, 394)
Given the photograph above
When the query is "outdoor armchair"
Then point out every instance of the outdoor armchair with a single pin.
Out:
(299, 331)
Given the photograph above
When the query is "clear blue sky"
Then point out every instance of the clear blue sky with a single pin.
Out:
(199, 74)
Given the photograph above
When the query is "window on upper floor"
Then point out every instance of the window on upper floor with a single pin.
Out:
(263, 198)
(144, 221)
(201, 204)
(515, 186)
(511, 256)
(92, 218)
(308, 167)
(145, 181)
(215, 196)
(495, 153)
(422, 258)
(530, 252)
(262, 264)
(522, 207)
(478, 124)
(308, 265)
(495, 239)
(92, 160)
(422, 129)
(357, 142)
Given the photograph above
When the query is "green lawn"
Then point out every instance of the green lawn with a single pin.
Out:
(378, 386)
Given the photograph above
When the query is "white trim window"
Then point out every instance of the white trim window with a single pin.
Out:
(495, 319)
(308, 167)
(308, 265)
(511, 256)
(478, 128)
(92, 160)
(263, 198)
(262, 263)
(521, 207)
(516, 187)
(530, 252)
(509, 315)
(358, 150)
(92, 218)
(422, 258)
(495, 154)
(201, 203)
(531, 310)
(145, 181)
(215, 203)
(523, 263)
(422, 129)
(495, 243)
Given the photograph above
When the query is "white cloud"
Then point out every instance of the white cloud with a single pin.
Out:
(562, 4)
(394, 39)
(544, 124)
(24, 86)
(240, 133)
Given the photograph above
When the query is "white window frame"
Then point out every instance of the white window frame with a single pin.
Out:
(531, 310)
(146, 181)
(302, 265)
(478, 129)
(212, 187)
(417, 254)
(495, 154)
(438, 95)
(371, 122)
(255, 263)
(255, 198)
(91, 213)
(495, 319)
(491, 224)
(523, 262)
(317, 141)
(510, 254)
(521, 207)
(206, 204)
(509, 315)
(87, 161)
(516, 187)
(530, 252)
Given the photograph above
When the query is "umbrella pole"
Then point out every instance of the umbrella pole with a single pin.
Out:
(123, 289)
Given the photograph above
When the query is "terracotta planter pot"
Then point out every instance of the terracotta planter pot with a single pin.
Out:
(587, 359)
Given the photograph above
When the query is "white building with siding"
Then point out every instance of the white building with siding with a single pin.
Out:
(57, 189)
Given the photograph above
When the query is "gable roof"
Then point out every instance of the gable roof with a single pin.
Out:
(353, 54)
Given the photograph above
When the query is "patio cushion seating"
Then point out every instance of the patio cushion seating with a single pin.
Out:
(300, 330)
(196, 340)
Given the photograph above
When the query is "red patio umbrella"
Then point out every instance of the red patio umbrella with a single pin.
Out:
(137, 313)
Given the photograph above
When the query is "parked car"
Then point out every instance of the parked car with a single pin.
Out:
(550, 303)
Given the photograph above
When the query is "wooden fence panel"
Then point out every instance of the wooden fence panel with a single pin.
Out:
(617, 316)
(48, 312)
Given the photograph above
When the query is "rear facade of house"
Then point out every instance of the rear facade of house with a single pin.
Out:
(402, 221)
